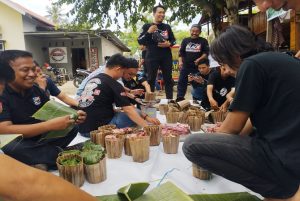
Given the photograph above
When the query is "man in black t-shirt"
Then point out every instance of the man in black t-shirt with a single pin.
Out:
(199, 80)
(219, 85)
(102, 91)
(19, 101)
(192, 50)
(158, 37)
(266, 98)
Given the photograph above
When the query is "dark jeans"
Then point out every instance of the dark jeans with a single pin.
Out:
(32, 151)
(183, 80)
(233, 157)
(165, 64)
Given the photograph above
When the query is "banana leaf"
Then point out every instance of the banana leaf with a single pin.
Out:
(5, 139)
(244, 196)
(132, 191)
(51, 110)
(167, 191)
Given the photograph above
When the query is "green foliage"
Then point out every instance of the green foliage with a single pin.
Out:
(92, 153)
(70, 161)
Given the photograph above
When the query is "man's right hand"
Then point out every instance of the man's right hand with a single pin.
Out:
(60, 123)
(213, 104)
(152, 28)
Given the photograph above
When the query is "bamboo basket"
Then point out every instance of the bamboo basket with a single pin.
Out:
(218, 116)
(163, 109)
(201, 173)
(150, 96)
(172, 117)
(107, 127)
(195, 122)
(98, 136)
(183, 104)
(96, 173)
(154, 132)
(114, 146)
(140, 148)
(74, 173)
(127, 149)
(170, 143)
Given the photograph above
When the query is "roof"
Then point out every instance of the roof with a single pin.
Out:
(24, 11)
(109, 35)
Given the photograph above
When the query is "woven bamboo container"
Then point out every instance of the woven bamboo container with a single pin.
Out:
(154, 132)
(114, 146)
(96, 173)
(170, 143)
(201, 173)
(140, 148)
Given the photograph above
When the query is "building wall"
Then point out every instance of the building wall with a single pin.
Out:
(40, 49)
(108, 48)
(11, 28)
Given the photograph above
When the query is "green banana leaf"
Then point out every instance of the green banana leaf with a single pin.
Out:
(51, 110)
(132, 191)
(7, 138)
(169, 191)
(244, 196)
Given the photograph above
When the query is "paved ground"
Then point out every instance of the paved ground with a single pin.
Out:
(70, 89)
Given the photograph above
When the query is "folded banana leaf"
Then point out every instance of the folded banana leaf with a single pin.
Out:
(5, 139)
(132, 191)
(51, 110)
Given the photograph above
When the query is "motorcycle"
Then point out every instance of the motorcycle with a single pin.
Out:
(59, 78)
(79, 76)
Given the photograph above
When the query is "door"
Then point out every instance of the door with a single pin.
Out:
(78, 59)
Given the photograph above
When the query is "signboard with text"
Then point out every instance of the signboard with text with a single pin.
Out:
(58, 55)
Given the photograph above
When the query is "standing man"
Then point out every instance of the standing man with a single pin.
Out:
(158, 37)
(192, 50)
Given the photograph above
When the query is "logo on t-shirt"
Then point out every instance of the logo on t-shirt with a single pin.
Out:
(1, 107)
(223, 92)
(165, 34)
(36, 100)
(90, 91)
(193, 47)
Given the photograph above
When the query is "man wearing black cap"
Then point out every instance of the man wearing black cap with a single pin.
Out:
(192, 50)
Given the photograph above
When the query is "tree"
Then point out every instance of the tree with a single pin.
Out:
(104, 12)
(55, 14)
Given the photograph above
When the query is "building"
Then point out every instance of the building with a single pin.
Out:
(23, 29)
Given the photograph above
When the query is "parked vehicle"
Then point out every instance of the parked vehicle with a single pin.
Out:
(79, 76)
(59, 78)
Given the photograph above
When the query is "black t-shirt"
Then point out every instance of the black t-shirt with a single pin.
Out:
(135, 83)
(221, 87)
(192, 49)
(96, 100)
(268, 87)
(153, 51)
(19, 108)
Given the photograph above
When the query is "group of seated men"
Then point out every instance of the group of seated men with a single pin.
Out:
(30, 90)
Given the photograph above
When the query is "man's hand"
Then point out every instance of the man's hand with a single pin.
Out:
(164, 44)
(213, 104)
(81, 117)
(190, 77)
(138, 92)
(197, 61)
(41, 81)
(198, 79)
(151, 120)
(60, 123)
(152, 28)
(224, 107)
